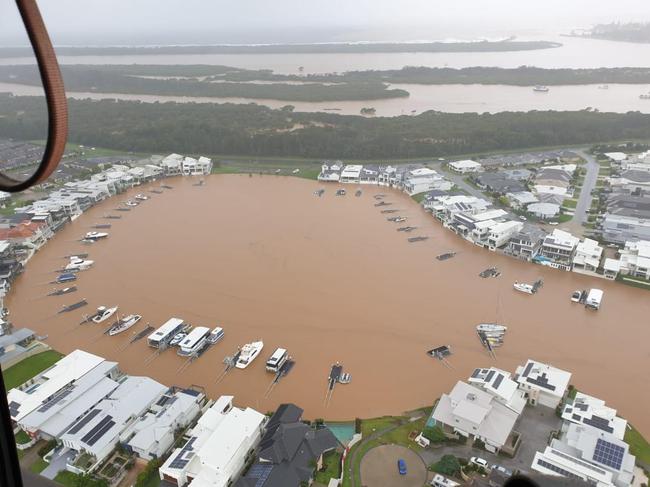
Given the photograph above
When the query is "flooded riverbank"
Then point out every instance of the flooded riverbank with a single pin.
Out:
(618, 98)
(331, 280)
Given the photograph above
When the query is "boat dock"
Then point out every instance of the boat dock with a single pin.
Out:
(112, 217)
(446, 256)
(383, 203)
(65, 290)
(336, 376)
(122, 209)
(417, 239)
(284, 371)
(229, 363)
(441, 353)
(406, 229)
(389, 211)
(101, 225)
(72, 307)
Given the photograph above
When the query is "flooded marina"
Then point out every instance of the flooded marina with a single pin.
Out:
(331, 280)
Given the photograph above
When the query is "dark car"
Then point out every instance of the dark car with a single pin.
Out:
(401, 466)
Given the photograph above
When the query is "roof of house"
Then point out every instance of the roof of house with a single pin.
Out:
(544, 377)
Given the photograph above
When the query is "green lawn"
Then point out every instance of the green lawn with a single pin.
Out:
(22, 438)
(28, 368)
(152, 481)
(38, 466)
(66, 478)
(572, 203)
(564, 218)
(638, 445)
(331, 470)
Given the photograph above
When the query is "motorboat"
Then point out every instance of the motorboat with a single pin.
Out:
(216, 335)
(66, 277)
(277, 360)
(194, 341)
(79, 265)
(491, 328)
(141, 197)
(248, 353)
(178, 338)
(358, 193)
(124, 324)
(103, 313)
(131, 203)
(523, 287)
(541, 89)
(95, 235)
(340, 192)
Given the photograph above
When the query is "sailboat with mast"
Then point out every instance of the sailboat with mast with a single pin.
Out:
(492, 334)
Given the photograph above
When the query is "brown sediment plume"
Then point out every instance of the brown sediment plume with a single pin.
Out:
(331, 280)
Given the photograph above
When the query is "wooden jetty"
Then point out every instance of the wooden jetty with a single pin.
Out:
(73, 306)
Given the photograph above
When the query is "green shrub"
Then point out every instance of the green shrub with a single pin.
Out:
(434, 434)
(149, 471)
(447, 465)
(42, 451)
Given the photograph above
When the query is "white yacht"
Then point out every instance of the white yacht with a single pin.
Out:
(193, 342)
(124, 324)
(216, 335)
(523, 287)
(248, 353)
(103, 313)
(178, 338)
(141, 197)
(277, 360)
(131, 203)
(95, 235)
(79, 264)
(541, 89)
(491, 328)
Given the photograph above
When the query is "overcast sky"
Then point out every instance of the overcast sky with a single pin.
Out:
(128, 22)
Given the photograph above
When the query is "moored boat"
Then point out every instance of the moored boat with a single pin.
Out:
(277, 360)
(123, 324)
(446, 255)
(66, 277)
(141, 197)
(541, 89)
(216, 335)
(95, 235)
(103, 313)
(65, 290)
(523, 287)
(248, 353)
(78, 265)
(491, 328)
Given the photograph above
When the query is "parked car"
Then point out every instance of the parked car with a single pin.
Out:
(479, 462)
(501, 469)
(401, 466)
(522, 218)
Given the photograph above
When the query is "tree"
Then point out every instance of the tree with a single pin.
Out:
(447, 465)
(434, 434)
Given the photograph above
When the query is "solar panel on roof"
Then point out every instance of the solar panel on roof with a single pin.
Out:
(83, 422)
(476, 373)
(13, 407)
(96, 428)
(100, 433)
(541, 381)
(489, 376)
(46, 406)
(497, 381)
(609, 454)
(527, 369)
(598, 422)
(260, 472)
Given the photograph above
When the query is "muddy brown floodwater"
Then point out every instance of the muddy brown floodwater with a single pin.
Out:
(330, 280)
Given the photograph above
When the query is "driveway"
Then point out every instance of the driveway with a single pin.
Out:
(379, 468)
(57, 463)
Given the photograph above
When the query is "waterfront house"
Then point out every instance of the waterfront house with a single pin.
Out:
(544, 211)
(617, 157)
(542, 383)
(217, 448)
(152, 435)
(469, 411)
(521, 199)
(289, 452)
(499, 383)
(351, 173)
(447, 205)
(97, 433)
(330, 171)
(558, 248)
(196, 167)
(465, 166)
(172, 165)
(15, 346)
(369, 174)
(424, 179)
(611, 268)
(500, 233)
(591, 411)
(635, 259)
(590, 454)
(526, 243)
(587, 256)
(27, 235)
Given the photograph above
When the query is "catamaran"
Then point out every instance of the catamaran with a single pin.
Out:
(95, 235)
(277, 360)
(248, 353)
(124, 324)
(493, 329)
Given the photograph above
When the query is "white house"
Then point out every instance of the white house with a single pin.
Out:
(351, 173)
(465, 166)
(172, 165)
(559, 247)
(97, 433)
(330, 171)
(501, 232)
(542, 383)
(587, 256)
(635, 259)
(499, 383)
(616, 156)
(196, 167)
(545, 211)
(153, 434)
(590, 454)
(611, 268)
(472, 412)
(423, 179)
(521, 199)
(591, 411)
(50, 384)
(217, 448)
